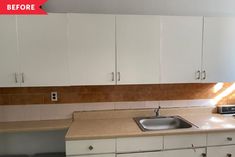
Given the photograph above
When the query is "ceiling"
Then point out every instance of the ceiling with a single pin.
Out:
(160, 7)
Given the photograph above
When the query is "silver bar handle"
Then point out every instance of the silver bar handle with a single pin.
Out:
(198, 75)
(16, 78)
(22, 77)
(203, 75)
(194, 149)
(113, 76)
(119, 76)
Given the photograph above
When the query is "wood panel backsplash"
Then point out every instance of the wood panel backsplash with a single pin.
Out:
(41, 95)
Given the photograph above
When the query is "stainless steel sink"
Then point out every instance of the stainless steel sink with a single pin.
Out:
(162, 123)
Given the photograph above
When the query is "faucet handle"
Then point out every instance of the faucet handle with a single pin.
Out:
(157, 111)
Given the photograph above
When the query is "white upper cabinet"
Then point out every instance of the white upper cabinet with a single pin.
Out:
(219, 49)
(9, 66)
(96, 49)
(43, 50)
(92, 49)
(181, 49)
(138, 49)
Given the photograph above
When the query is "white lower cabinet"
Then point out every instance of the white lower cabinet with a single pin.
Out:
(102, 155)
(186, 145)
(171, 153)
(221, 151)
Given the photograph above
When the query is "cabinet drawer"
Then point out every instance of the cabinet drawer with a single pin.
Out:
(169, 153)
(90, 147)
(136, 144)
(145, 154)
(185, 153)
(184, 141)
(220, 138)
(101, 155)
(221, 151)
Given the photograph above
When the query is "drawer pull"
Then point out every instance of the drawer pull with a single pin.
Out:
(91, 148)
(229, 138)
(229, 155)
(203, 154)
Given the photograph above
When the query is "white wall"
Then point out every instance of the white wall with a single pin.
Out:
(165, 7)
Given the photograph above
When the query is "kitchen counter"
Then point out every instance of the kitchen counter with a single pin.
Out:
(45, 125)
(112, 124)
(120, 123)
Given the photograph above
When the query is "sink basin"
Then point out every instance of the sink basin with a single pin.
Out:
(162, 123)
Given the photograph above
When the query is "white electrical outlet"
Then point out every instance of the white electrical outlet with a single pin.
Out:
(54, 96)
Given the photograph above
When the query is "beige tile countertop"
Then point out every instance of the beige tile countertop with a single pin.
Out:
(120, 123)
(45, 125)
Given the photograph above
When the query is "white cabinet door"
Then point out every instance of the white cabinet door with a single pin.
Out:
(9, 65)
(138, 49)
(43, 50)
(181, 49)
(219, 49)
(92, 49)
(221, 151)
(171, 153)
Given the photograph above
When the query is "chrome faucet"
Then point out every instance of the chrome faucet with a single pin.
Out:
(157, 111)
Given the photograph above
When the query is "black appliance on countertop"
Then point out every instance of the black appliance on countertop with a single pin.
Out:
(226, 109)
